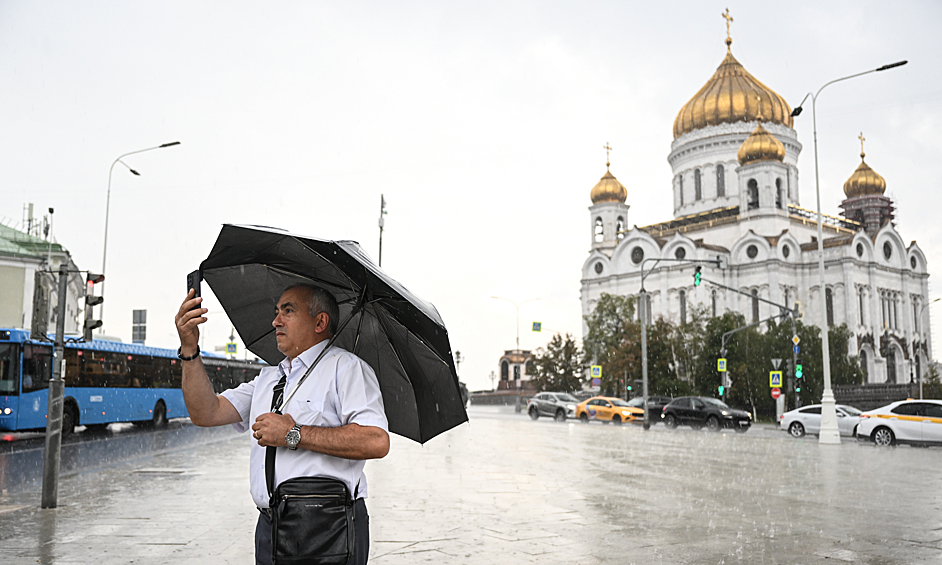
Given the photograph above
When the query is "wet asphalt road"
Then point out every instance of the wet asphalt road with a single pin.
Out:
(504, 489)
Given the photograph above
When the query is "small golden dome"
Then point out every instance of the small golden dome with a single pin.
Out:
(608, 189)
(864, 181)
(760, 146)
(731, 95)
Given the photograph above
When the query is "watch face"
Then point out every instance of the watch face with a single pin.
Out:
(294, 436)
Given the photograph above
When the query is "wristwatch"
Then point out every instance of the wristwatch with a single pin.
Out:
(294, 437)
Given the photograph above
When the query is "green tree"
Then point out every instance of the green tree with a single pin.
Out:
(558, 366)
(613, 341)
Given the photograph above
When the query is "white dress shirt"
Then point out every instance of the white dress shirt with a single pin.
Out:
(342, 389)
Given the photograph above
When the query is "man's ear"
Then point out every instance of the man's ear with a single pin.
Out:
(321, 321)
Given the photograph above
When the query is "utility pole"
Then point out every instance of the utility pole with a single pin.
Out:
(53, 447)
(382, 224)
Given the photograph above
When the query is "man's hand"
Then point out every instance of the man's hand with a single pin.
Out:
(187, 320)
(270, 429)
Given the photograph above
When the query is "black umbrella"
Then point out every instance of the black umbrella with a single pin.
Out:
(398, 334)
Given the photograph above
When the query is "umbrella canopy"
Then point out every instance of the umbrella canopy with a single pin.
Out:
(400, 336)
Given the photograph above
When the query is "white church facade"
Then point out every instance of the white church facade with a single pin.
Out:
(735, 194)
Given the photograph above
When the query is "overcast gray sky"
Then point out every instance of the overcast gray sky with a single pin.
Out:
(481, 122)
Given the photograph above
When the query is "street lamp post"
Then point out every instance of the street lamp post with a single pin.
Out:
(518, 371)
(104, 252)
(829, 433)
(912, 349)
(517, 305)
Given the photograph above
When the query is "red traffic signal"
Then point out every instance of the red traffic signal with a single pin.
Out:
(92, 278)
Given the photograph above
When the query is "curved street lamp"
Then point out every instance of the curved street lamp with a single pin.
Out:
(104, 252)
(829, 431)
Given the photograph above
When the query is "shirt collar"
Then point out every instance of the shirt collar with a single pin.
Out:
(305, 358)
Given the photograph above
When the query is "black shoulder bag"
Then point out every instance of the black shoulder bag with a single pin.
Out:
(311, 517)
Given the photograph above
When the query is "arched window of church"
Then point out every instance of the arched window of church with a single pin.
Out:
(680, 187)
(779, 195)
(915, 315)
(620, 228)
(504, 370)
(863, 365)
(720, 181)
(683, 307)
(713, 301)
(861, 303)
(829, 300)
(753, 202)
(599, 230)
(891, 366)
(697, 190)
(755, 305)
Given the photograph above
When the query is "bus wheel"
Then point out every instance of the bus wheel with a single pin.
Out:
(68, 421)
(160, 415)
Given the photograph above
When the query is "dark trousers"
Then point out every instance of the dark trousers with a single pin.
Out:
(361, 532)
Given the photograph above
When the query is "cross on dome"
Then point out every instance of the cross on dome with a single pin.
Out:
(607, 148)
(729, 19)
(862, 139)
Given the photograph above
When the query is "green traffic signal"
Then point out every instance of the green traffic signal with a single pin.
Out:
(798, 371)
(696, 282)
(721, 388)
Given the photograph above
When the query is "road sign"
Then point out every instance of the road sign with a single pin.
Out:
(538, 326)
(776, 392)
(721, 365)
(795, 339)
(595, 371)
(775, 379)
(232, 348)
(795, 349)
(776, 363)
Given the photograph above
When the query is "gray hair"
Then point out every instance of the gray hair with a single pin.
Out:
(321, 301)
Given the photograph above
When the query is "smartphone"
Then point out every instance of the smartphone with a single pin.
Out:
(193, 281)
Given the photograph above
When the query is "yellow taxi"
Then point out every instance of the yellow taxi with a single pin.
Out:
(607, 409)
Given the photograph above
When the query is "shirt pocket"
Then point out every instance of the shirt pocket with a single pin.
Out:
(315, 413)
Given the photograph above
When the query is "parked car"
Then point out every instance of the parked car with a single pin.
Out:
(916, 422)
(607, 409)
(807, 420)
(700, 411)
(656, 405)
(559, 405)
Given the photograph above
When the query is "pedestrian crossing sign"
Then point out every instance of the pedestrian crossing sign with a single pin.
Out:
(596, 371)
(538, 326)
(775, 379)
(721, 365)
(232, 348)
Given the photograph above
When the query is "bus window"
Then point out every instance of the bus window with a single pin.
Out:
(9, 373)
(37, 367)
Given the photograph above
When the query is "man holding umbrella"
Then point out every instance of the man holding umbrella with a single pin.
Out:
(330, 423)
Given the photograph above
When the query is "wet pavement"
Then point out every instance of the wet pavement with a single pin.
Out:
(504, 489)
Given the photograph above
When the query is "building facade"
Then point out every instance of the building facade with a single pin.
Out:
(735, 194)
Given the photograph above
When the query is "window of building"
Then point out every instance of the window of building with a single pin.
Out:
(598, 268)
(683, 307)
(720, 181)
(753, 188)
(915, 315)
(755, 305)
(680, 187)
(713, 302)
(680, 253)
(829, 301)
(887, 250)
(786, 251)
(620, 228)
(599, 230)
(863, 364)
(504, 370)
(891, 366)
(752, 251)
(859, 250)
(861, 304)
(918, 368)
(697, 189)
(637, 255)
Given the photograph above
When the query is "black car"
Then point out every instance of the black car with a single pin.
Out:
(656, 405)
(700, 411)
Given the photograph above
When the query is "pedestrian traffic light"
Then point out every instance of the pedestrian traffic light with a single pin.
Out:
(91, 301)
(722, 389)
(696, 279)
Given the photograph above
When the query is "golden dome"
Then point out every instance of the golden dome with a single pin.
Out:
(864, 181)
(731, 95)
(760, 146)
(608, 189)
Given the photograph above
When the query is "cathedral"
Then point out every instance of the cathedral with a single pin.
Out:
(735, 194)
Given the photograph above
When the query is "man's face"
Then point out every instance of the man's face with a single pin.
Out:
(295, 329)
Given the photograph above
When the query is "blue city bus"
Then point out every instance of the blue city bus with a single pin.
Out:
(105, 382)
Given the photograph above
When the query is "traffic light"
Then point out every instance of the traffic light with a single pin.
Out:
(798, 374)
(722, 389)
(91, 300)
(696, 282)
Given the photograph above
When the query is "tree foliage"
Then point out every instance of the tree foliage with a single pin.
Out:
(682, 358)
(558, 366)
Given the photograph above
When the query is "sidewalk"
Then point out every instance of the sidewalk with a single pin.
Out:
(504, 489)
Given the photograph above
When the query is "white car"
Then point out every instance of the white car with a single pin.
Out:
(807, 420)
(906, 421)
